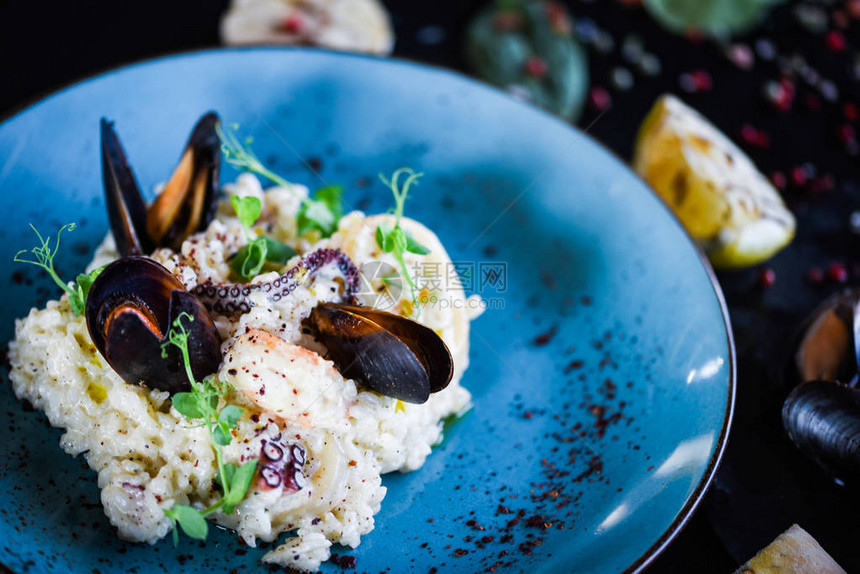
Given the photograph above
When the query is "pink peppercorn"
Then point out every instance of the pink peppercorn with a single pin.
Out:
(835, 41)
(849, 110)
(599, 98)
(798, 175)
(837, 272)
(702, 80)
(767, 278)
(292, 24)
(779, 180)
(846, 133)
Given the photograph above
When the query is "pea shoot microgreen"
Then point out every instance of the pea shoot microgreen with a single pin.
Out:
(43, 256)
(320, 213)
(395, 240)
(251, 259)
(201, 404)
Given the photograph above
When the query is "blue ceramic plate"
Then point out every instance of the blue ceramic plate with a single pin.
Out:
(602, 370)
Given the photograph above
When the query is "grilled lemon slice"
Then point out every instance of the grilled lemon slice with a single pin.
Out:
(713, 188)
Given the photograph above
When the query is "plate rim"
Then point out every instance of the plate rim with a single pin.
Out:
(694, 500)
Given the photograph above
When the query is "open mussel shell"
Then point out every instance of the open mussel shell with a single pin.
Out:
(187, 203)
(384, 352)
(827, 349)
(125, 206)
(130, 310)
(822, 419)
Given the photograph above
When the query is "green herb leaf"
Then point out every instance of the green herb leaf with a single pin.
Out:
(202, 403)
(247, 209)
(43, 256)
(380, 237)
(413, 246)
(396, 241)
(220, 435)
(190, 520)
(249, 261)
(278, 252)
(322, 212)
(239, 484)
(83, 283)
(230, 415)
(188, 405)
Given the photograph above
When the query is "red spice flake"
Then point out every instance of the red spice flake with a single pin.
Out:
(292, 24)
(545, 338)
(572, 366)
(501, 509)
(537, 521)
(599, 98)
(536, 67)
(345, 562)
(850, 111)
(528, 415)
(650, 468)
(837, 272)
(846, 133)
(767, 278)
(473, 524)
(460, 552)
(814, 276)
(835, 41)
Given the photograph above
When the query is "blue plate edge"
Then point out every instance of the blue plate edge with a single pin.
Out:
(692, 503)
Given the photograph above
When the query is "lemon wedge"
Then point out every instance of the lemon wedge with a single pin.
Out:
(713, 188)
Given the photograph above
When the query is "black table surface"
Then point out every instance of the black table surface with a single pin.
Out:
(764, 485)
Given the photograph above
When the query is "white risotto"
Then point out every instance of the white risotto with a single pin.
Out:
(325, 441)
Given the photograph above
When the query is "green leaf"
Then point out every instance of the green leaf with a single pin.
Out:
(398, 237)
(249, 260)
(230, 415)
(83, 283)
(213, 401)
(278, 252)
(229, 471)
(247, 209)
(221, 435)
(239, 484)
(188, 405)
(322, 212)
(192, 522)
(414, 247)
(380, 237)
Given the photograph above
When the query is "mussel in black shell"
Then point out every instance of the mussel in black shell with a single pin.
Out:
(822, 414)
(187, 203)
(384, 352)
(130, 310)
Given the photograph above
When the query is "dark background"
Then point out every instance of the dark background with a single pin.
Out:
(764, 485)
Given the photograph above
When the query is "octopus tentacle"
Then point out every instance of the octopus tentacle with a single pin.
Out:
(232, 298)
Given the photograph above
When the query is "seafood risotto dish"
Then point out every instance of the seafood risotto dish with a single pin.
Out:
(234, 361)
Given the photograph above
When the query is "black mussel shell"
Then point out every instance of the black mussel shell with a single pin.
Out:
(130, 309)
(387, 353)
(125, 206)
(822, 418)
(187, 203)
